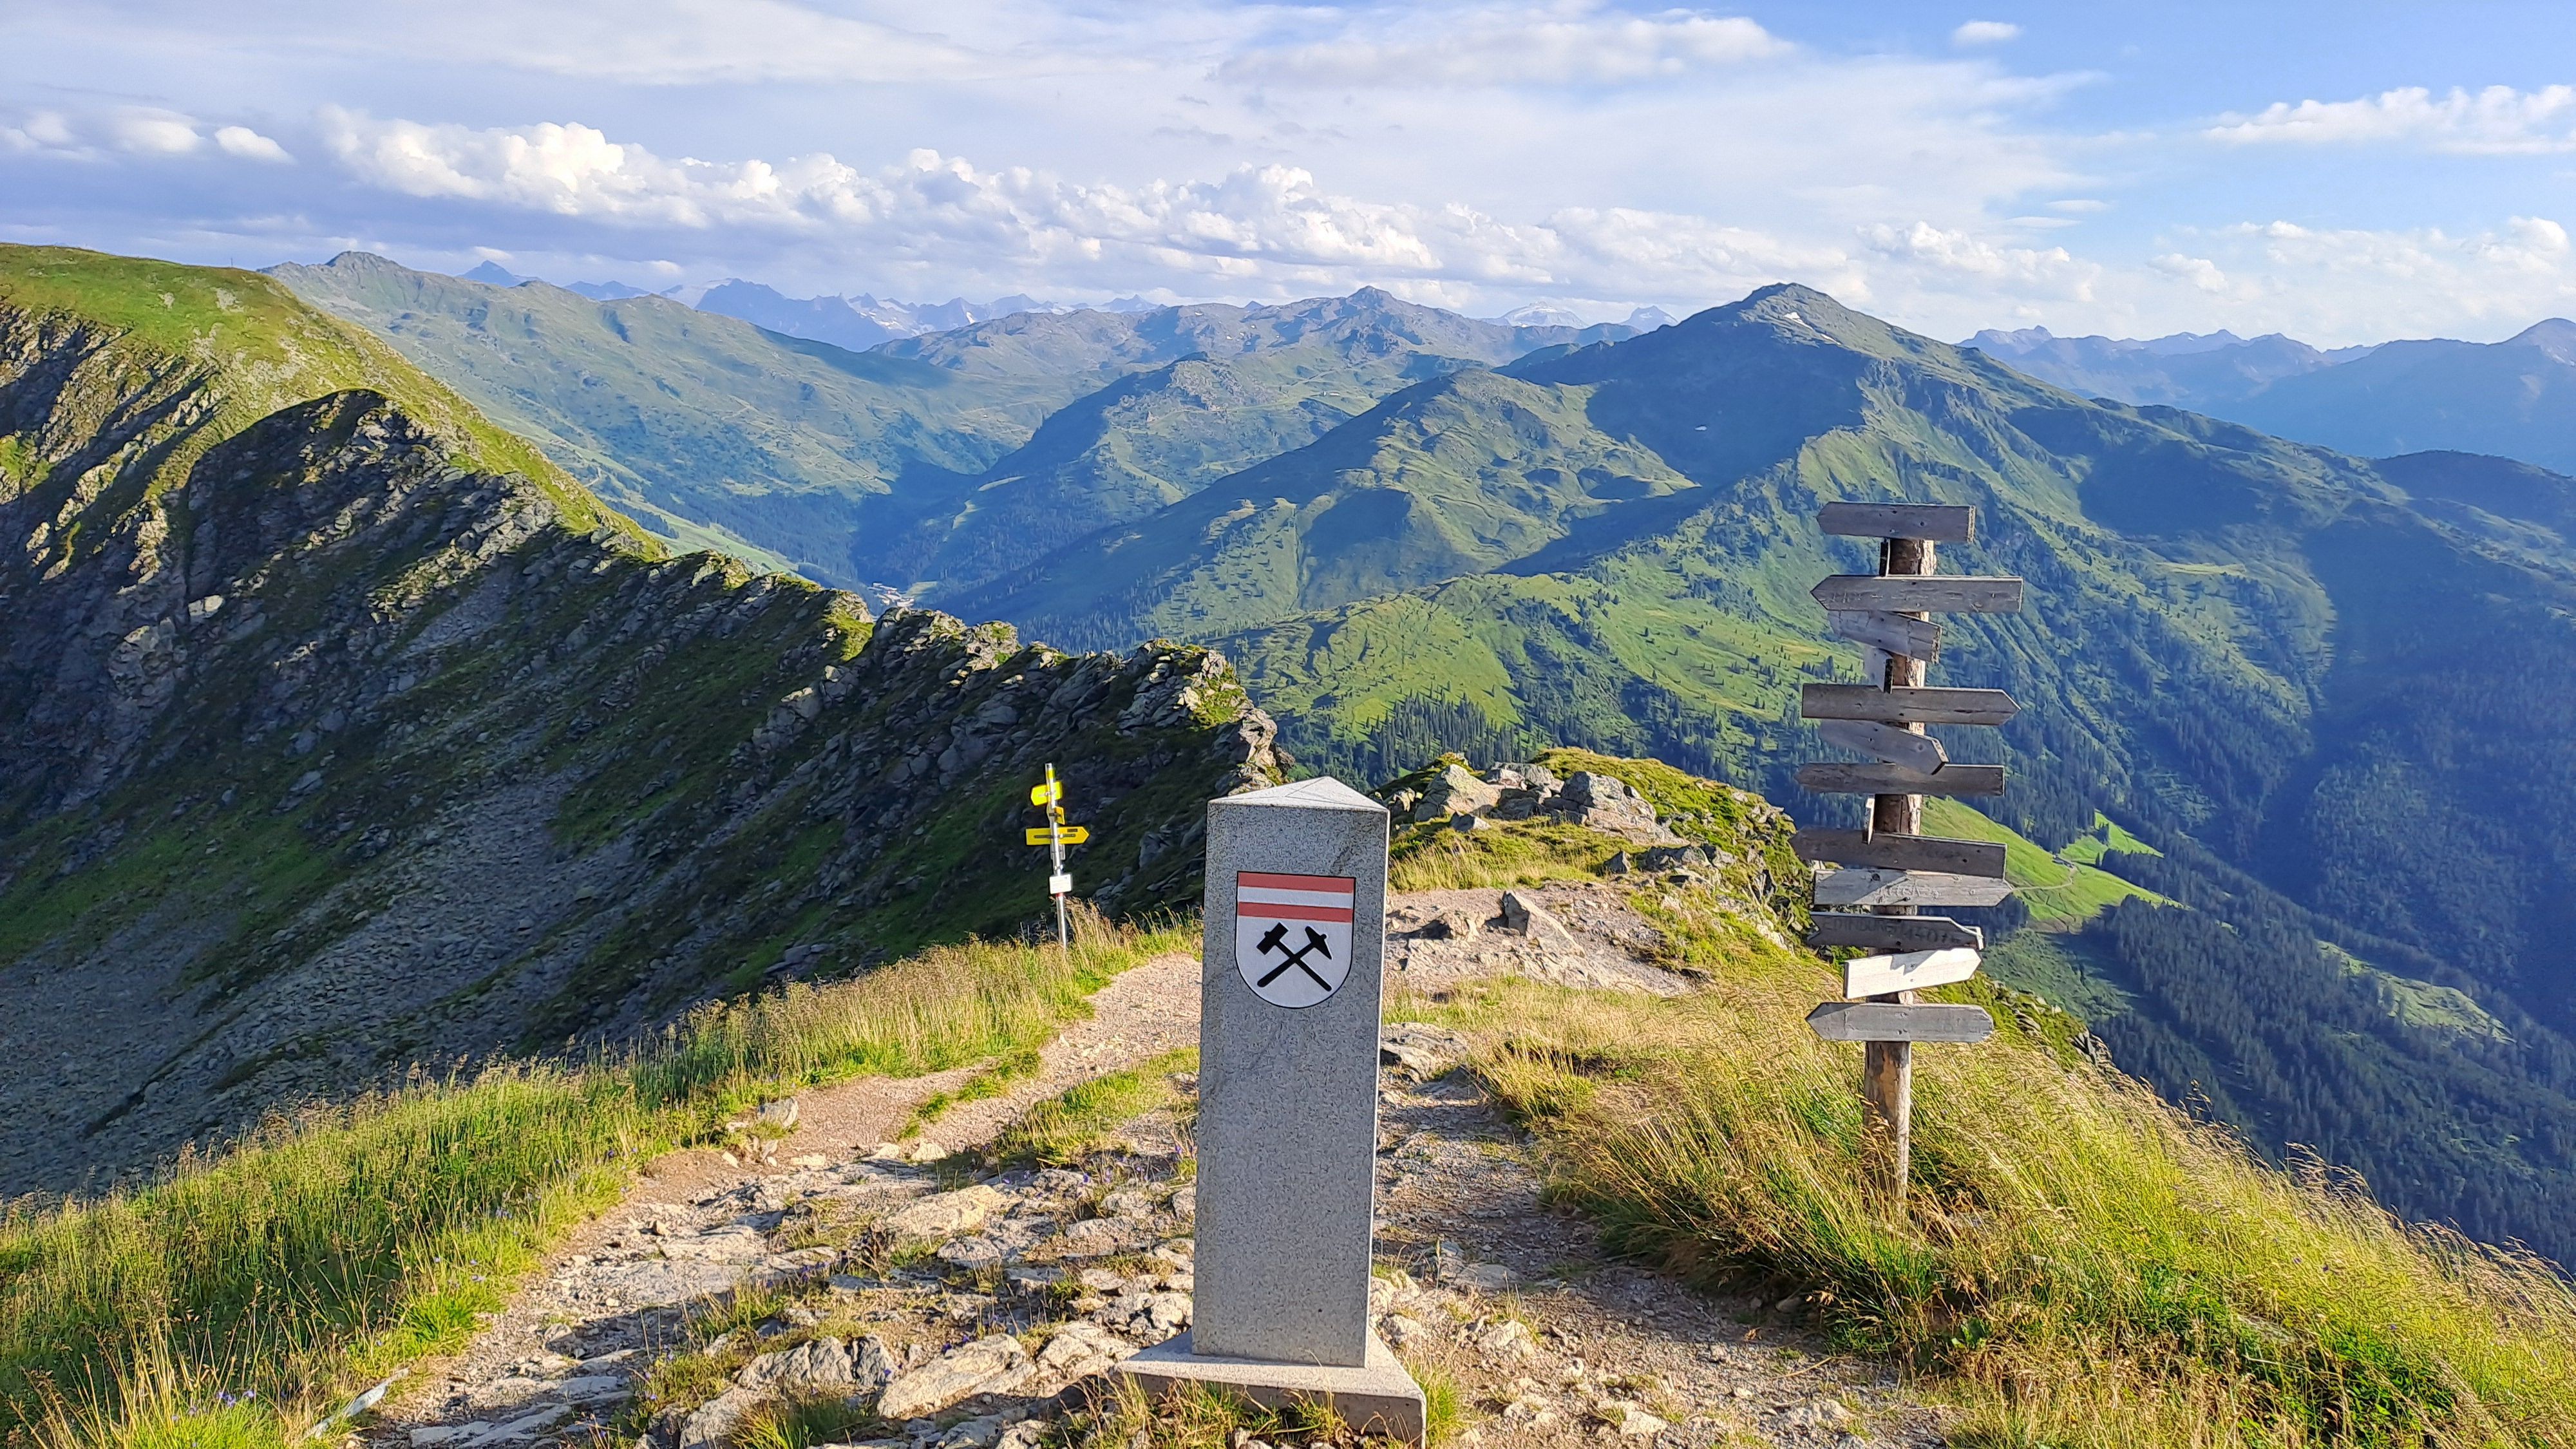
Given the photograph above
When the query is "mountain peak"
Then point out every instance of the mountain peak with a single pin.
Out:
(494, 274)
(2555, 336)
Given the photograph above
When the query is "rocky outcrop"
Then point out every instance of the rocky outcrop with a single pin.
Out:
(335, 749)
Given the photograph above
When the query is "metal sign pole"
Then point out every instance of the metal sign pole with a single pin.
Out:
(1055, 836)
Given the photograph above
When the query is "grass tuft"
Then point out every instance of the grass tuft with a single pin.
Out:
(1080, 1120)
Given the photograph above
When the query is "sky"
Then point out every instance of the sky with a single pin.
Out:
(2345, 173)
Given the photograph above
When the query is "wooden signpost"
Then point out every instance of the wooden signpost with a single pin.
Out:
(1889, 868)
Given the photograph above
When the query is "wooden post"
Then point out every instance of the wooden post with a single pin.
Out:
(1887, 1067)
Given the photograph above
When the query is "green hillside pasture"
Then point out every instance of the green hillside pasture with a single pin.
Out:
(2062, 890)
(2082, 1266)
(234, 1302)
(266, 351)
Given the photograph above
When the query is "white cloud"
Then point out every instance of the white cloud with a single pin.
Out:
(2047, 271)
(1454, 46)
(2201, 272)
(2498, 119)
(244, 142)
(155, 133)
(1985, 32)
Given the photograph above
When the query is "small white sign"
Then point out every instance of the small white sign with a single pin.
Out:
(1060, 883)
(1907, 971)
(1292, 935)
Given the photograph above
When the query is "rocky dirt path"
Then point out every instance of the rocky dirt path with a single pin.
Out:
(838, 1288)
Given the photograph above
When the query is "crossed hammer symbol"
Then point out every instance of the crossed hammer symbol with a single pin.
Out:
(1277, 940)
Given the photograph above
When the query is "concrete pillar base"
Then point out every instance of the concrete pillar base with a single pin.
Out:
(1376, 1397)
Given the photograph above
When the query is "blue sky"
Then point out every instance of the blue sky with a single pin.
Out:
(2343, 172)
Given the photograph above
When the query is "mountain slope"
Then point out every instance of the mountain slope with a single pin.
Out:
(2516, 398)
(1454, 476)
(714, 430)
(337, 748)
(2298, 675)
(1149, 439)
(894, 467)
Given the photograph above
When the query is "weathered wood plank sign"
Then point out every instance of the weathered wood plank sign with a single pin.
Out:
(1901, 852)
(1898, 780)
(1865, 886)
(1917, 752)
(1907, 971)
(1876, 1021)
(1890, 933)
(1889, 867)
(1906, 706)
(1931, 522)
(1895, 633)
(1920, 593)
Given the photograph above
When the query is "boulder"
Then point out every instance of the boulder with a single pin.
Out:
(1455, 792)
(1529, 918)
(712, 1424)
(1424, 1051)
(995, 1365)
(824, 1365)
(1079, 1350)
(948, 1214)
(1605, 803)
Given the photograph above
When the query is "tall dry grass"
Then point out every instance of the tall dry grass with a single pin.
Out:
(2082, 1265)
(255, 1286)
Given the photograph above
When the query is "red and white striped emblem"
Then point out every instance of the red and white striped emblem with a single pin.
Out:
(1292, 934)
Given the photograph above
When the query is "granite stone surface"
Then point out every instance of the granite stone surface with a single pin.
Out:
(1287, 1124)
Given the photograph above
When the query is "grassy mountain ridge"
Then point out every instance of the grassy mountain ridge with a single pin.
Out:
(335, 750)
(917, 466)
(718, 431)
(1457, 475)
(1369, 323)
(1144, 441)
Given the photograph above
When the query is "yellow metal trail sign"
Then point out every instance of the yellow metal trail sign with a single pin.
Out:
(1055, 835)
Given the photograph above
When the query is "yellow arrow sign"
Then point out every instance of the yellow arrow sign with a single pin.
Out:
(1046, 794)
(1059, 834)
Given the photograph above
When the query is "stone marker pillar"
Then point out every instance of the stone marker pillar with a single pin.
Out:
(1287, 1128)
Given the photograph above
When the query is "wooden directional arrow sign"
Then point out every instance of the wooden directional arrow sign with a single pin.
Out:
(1890, 933)
(1890, 1021)
(1059, 834)
(1895, 633)
(1897, 780)
(1907, 971)
(1865, 886)
(1919, 753)
(1936, 522)
(1906, 706)
(1901, 852)
(1920, 593)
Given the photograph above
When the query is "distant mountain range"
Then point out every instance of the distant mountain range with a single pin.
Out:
(896, 467)
(2515, 398)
